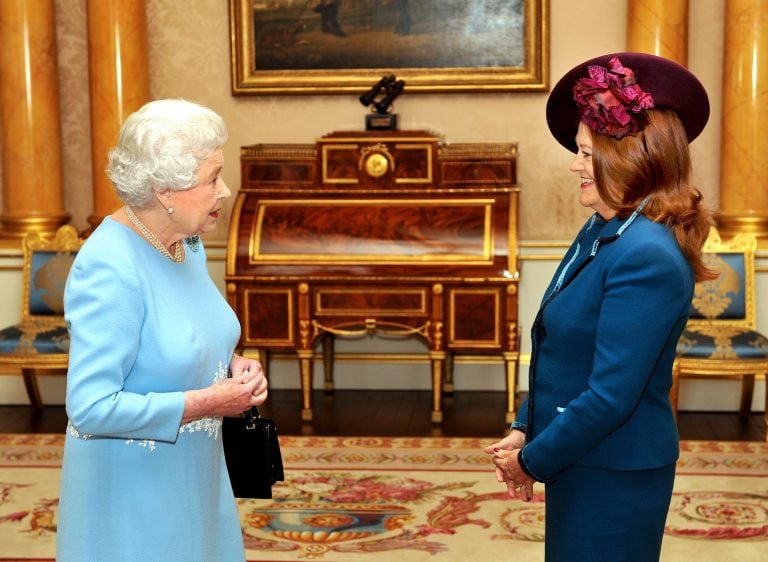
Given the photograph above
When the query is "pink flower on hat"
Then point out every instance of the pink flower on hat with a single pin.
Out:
(610, 101)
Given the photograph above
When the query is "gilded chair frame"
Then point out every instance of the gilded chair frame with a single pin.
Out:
(66, 240)
(746, 369)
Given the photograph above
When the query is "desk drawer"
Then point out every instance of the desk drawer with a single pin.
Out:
(371, 301)
(268, 316)
(475, 317)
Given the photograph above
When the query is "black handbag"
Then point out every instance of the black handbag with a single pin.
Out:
(252, 452)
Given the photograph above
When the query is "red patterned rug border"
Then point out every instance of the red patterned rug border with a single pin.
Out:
(747, 447)
(710, 458)
(750, 447)
(36, 439)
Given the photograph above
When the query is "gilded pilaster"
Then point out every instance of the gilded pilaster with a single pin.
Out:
(30, 126)
(744, 140)
(658, 27)
(119, 84)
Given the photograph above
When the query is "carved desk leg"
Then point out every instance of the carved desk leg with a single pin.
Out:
(264, 358)
(448, 384)
(512, 353)
(328, 341)
(435, 338)
(511, 365)
(437, 358)
(306, 357)
(305, 368)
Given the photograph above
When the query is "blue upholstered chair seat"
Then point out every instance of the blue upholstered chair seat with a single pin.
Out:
(34, 338)
(722, 342)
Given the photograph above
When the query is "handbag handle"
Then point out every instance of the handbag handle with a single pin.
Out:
(250, 417)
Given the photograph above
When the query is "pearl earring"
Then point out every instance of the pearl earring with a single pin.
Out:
(170, 210)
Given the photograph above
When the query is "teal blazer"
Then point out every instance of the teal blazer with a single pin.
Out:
(603, 346)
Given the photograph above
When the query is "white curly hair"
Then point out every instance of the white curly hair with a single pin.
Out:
(161, 147)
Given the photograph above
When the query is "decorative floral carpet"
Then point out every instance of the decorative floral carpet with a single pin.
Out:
(412, 499)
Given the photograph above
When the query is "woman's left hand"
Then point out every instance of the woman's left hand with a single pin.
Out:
(508, 470)
(504, 457)
(247, 369)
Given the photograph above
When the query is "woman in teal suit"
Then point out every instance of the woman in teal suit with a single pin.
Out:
(597, 427)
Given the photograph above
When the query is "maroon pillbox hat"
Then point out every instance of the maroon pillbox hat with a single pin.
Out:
(671, 85)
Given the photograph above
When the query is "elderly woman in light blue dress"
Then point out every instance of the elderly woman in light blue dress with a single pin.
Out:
(152, 367)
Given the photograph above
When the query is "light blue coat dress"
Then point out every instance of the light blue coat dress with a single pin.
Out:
(136, 484)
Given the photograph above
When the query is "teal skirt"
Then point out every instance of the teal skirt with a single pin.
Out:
(600, 515)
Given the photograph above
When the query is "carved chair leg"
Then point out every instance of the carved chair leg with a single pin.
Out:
(747, 389)
(33, 391)
(765, 405)
(674, 391)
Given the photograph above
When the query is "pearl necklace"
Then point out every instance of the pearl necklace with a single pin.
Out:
(152, 239)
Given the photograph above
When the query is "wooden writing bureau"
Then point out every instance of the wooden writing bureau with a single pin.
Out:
(389, 232)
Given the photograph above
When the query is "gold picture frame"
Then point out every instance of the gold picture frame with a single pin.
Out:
(342, 46)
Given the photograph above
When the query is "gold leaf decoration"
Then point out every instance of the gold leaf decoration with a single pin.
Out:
(712, 298)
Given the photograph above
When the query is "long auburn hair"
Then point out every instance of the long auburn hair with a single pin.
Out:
(655, 162)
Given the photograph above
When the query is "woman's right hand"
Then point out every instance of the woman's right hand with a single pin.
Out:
(514, 440)
(241, 392)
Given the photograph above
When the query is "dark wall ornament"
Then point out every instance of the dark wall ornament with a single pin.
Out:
(379, 99)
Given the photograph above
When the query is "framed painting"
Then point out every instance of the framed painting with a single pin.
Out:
(342, 46)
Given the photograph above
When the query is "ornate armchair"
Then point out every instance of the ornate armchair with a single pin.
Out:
(39, 343)
(720, 339)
